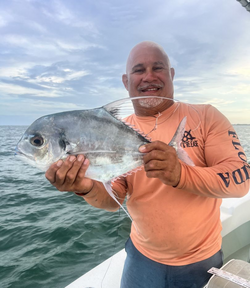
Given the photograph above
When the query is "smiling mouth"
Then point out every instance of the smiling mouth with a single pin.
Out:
(150, 88)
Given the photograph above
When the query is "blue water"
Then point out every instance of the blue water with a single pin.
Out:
(49, 238)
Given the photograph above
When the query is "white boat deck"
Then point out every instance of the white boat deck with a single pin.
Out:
(234, 213)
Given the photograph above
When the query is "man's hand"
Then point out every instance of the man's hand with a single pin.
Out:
(161, 161)
(69, 175)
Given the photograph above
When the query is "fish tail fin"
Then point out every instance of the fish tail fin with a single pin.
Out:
(176, 143)
(108, 187)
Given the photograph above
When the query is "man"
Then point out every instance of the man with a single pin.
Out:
(175, 207)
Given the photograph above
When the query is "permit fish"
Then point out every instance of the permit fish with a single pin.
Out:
(110, 144)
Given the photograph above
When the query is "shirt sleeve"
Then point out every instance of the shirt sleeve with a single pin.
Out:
(227, 173)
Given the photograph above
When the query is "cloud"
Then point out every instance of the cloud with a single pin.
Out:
(5, 19)
(72, 53)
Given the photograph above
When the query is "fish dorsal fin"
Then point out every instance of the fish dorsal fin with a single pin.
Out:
(125, 107)
(122, 108)
(137, 130)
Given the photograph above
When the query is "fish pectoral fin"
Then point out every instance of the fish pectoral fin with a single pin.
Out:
(69, 148)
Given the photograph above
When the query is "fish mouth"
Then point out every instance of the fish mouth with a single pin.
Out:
(21, 154)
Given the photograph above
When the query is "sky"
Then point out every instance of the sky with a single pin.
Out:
(61, 55)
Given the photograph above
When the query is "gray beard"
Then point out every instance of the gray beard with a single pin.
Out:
(150, 102)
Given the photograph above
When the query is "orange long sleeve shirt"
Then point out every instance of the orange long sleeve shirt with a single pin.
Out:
(181, 225)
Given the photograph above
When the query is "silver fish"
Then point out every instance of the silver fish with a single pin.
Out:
(110, 144)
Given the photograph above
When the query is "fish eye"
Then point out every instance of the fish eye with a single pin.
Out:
(37, 141)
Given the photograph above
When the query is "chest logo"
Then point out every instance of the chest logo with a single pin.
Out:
(188, 140)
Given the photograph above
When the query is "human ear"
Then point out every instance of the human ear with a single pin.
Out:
(172, 73)
(125, 80)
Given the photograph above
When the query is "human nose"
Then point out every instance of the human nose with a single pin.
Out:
(149, 76)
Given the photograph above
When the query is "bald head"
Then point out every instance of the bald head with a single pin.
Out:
(148, 73)
(146, 46)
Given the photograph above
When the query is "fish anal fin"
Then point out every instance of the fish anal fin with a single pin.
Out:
(108, 187)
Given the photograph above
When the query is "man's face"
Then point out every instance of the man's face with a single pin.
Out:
(148, 73)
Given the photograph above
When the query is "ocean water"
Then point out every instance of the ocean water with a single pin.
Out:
(49, 238)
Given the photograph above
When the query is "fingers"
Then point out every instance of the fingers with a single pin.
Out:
(51, 172)
(63, 174)
(69, 172)
(69, 175)
(88, 183)
(83, 168)
(156, 145)
(156, 153)
(161, 161)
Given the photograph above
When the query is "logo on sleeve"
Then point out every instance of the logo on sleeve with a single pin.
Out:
(188, 140)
